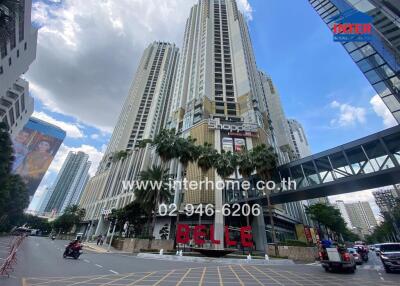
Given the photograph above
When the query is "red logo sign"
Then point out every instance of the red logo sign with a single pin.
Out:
(199, 235)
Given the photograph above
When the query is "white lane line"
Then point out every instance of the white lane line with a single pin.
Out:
(112, 271)
(382, 279)
(98, 265)
(87, 261)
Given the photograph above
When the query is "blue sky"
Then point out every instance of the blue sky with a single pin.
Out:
(311, 71)
(88, 52)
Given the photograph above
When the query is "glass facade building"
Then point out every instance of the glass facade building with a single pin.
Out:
(378, 59)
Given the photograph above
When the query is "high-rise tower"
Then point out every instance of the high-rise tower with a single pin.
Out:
(143, 115)
(378, 59)
(17, 52)
(69, 183)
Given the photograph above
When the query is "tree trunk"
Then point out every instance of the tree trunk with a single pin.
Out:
(153, 223)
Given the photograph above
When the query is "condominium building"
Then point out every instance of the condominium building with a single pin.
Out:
(358, 216)
(386, 199)
(378, 59)
(340, 205)
(298, 136)
(69, 184)
(212, 92)
(17, 52)
(143, 115)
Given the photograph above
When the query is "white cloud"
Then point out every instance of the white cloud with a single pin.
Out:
(382, 111)
(95, 136)
(348, 115)
(88, 51)
(246, 9)
(72, 129)
(94, 156)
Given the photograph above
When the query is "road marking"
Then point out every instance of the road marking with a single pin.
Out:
(183, 277)
(141, 279)
(162, 279)
(236, 275)
(220, 278)
(382, 279)
(202, 276)
(272, 278)
(98, 265)
(112, 271)
(87, 261)
(255, 278)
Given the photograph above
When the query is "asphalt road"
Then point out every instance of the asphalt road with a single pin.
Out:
(40, 262)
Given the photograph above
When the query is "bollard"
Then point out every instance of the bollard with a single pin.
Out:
(266, 257)
(161, 251)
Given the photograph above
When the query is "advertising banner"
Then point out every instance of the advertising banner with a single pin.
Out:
(34, 149)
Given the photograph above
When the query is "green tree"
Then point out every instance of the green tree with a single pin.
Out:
(265, 161)
(155, 191)
(132, 213)
(246, 168)
(73, 215)
(207, 158)
(14, 196)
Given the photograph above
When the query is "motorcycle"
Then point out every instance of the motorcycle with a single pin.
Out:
(73, 251)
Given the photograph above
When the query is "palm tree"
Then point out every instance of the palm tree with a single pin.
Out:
(246, 168)
(207, 158)
(153, 193)
(166, 143)
(265, 161)
(226, 164)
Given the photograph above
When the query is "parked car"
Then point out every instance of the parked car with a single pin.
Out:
(357, 257)
(390, 256)
(371, 247)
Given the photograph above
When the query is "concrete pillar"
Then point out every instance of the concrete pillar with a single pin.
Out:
(218, 217)
(259, 233)
(100, 226)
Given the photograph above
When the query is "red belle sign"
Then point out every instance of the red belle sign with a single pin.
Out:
(199, 235)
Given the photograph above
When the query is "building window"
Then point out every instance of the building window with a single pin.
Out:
(1, 70)
(11, 115)
(25, 46)
(9, 61)
(17, 53)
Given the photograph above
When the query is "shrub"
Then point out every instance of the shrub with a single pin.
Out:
(293, 242)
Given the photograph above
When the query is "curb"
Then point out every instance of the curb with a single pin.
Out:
(216, 260)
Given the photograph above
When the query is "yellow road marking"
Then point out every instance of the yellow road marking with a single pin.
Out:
(162, 279)
(266, 275)
(183, 277)
(141, 279)
(237, 276)
(202, 276)
(220, 278)
(255, 278)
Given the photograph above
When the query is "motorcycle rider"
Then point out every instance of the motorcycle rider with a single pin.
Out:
(75, 244)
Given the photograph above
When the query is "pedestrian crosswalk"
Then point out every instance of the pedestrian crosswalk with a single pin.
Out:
(365, 267)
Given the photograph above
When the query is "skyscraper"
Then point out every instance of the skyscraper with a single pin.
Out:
(70, 182)
(378, 59)
(386, 199)
(299, 139)
(358, 216)
(143, 115)
(17, 52)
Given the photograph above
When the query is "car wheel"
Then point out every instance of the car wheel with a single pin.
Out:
(352, 270)
(387, 269)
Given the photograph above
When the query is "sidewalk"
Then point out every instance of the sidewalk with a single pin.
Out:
(92, 246)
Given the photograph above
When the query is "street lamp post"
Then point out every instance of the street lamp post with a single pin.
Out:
(112, 235)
